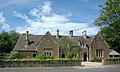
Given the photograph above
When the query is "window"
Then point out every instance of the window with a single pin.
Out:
(82, 45)
(74, 55)
(34, 55)
(48, 52)
(62, 55)
(99, 53)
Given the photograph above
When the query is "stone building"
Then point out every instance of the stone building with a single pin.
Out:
(86, 47)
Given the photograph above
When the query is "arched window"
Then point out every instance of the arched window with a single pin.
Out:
(34, 55)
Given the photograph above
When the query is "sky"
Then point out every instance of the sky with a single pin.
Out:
(40, 16)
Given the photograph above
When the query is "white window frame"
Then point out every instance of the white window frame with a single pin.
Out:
(74, 55)
(48, 52)
(99, 53)
(82, 45)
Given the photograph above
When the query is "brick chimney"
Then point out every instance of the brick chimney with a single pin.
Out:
(27, 38)
(57, 35)
(70, 33)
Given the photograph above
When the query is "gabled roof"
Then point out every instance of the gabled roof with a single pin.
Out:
(47, 34)
(34, 40)
(113, 52)
(94, 37)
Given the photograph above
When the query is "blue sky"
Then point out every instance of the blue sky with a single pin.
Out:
(40, 16)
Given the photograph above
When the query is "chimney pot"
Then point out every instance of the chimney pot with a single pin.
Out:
(27, 34)
(71, 33)
(84, 34)
(57, 36)
(27, 38)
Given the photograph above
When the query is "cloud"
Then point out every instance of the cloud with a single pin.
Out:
(3, 22)
(24, 17)
(45, 20)
(45, 9)
(54, 19)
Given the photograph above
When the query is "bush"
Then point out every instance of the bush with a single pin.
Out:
(50, 57)
(42, 56)
(69, 55)
(98, 59)
(14, 54)
(115, 58)
(79, 57)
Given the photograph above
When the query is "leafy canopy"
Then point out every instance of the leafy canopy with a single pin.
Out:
(8, 41)
(109, 21)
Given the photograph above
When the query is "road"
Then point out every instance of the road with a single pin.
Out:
(113, 68)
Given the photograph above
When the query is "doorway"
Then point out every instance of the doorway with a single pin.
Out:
(85, 56)
(63, 55)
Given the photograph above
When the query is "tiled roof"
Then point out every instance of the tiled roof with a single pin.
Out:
(34, 39)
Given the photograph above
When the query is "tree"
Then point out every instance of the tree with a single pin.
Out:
(5, 43)
(8, 41)
(109, 21)
(14, 37)
(66, 46)
(69, 55)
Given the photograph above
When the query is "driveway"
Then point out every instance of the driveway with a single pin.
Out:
(91, 64)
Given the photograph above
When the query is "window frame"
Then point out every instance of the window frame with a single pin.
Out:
(99, 53)
(48, 52)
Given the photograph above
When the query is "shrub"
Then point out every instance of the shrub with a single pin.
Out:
(98, 59)
(14, 54)
(79, 57)
(115, 58)
(69, 55)
(42, 56)
(50, 57)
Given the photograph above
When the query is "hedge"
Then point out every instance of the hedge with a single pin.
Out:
(115, 58)
(34, 59)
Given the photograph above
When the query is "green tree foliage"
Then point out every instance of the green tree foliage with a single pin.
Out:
(69, 55)
(67, 45)
(8, 41)
(14, 37)
(109, 21)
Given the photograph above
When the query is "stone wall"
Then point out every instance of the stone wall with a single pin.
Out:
(26, 54)
(110, 61)
(48, 43)
(55, 63)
